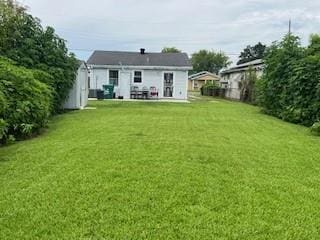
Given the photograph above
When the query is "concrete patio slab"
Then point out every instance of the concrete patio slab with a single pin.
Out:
(141, 100)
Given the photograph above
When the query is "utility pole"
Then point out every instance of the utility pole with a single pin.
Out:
(289, 26)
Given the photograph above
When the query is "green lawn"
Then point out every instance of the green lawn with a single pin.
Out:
(211, 169)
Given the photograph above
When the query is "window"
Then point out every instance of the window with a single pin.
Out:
(114, 77)
(168, 85)
(137, 77)
(168, 78)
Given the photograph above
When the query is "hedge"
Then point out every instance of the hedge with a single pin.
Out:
(290, 86)
(212, 89)
(25, 41)
(25, 101)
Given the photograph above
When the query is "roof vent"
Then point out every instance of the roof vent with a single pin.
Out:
(142, 51)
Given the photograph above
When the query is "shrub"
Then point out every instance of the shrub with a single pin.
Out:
(27, 105)
(248, 86)
(24, 40)
(3, 129)
(213, 89)
(3, 124)
(315, 129)
(3, 102)
(207, 89)
(289, 88)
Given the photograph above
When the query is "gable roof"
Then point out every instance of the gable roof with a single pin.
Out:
(201, 74)
(82, 64)
(245, 66)
(254, 62)
(137, 59)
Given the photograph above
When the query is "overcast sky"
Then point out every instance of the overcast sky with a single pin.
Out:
(190, 25)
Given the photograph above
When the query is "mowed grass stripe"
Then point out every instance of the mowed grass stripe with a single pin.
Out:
(202, 170)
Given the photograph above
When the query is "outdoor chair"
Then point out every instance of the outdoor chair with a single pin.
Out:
(154, 92)
(145, 93)
(134, 92)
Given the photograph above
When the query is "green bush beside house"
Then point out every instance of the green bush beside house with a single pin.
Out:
(25, 101)
(290, 86)
(212, 89)
(36, 83)
(25, 41)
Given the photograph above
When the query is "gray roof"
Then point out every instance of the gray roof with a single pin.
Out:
(244, 66)
(200, 74)
(137, 59)
(254, 62)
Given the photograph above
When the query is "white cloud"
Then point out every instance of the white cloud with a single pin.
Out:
(190, 25)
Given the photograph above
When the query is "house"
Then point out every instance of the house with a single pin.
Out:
(78, 95)
(166, 73)
(196, 81)
(232, 77)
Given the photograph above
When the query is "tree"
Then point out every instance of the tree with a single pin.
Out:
(170, 50)
(247, 86)
(25, 101)
(11, 16)
(23, 40)
(252, 53)
(290, 86)
(210, 61)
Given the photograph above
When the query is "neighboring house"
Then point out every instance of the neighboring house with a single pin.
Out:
(196, 81)
(165, 72)
(78, 95)
(232, 77)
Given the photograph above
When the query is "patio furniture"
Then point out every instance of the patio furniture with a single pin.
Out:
(154, 92)
(134, 92)
(139, 94)
(145, 93)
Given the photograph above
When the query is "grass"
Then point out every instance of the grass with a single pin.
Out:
(205, 170)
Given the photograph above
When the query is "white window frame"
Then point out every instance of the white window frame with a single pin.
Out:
(142, 77)
(118, 76)
(173, 84)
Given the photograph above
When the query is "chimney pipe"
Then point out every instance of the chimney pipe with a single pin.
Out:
(142, 51)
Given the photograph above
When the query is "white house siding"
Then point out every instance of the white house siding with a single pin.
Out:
(150, 78)
(78, 95)
(259, 73)
(233, 91)
(181, 84)
(98, 78)
(84, 87)
(233, 76)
